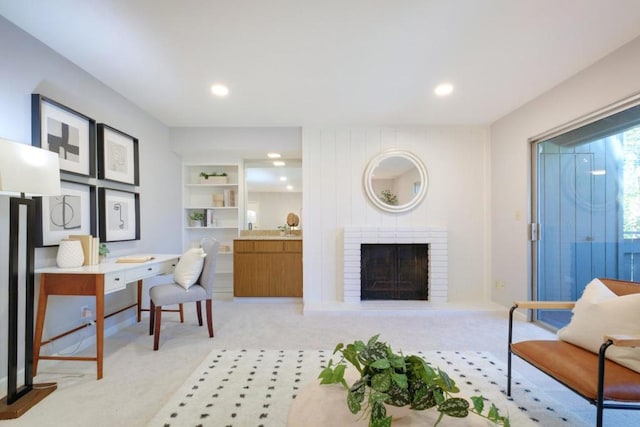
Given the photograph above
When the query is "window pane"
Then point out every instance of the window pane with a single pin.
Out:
(588, 209)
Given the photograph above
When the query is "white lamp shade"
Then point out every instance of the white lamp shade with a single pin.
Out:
(29, 170)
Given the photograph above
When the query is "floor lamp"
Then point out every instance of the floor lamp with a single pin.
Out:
(24, 170)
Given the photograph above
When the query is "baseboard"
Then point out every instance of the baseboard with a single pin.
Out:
(397, 308)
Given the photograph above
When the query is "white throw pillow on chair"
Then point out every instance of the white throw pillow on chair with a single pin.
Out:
(600, 312)
(189, 267)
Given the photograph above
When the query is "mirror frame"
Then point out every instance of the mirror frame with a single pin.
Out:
(375, 162)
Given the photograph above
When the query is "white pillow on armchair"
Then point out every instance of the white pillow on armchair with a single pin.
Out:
(600, 312)
(189, 267)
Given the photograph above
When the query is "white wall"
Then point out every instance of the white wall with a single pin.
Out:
(30, 67)
(211, 145)
(607, 81)
(333, 197)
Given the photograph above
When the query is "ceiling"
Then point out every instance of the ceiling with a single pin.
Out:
(330, 62)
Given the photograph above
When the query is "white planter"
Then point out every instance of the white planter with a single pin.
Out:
(70, 254)
(213, 180)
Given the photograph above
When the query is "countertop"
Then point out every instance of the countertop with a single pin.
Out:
(269, 235)
(258, 237)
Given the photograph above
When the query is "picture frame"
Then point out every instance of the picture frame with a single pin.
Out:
(62, 130)
(72, 212)
(119, 213)
(118, 157)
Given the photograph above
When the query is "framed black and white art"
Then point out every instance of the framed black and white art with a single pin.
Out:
(60, 129)
(72, 212)
(119, 213)
(117, 156)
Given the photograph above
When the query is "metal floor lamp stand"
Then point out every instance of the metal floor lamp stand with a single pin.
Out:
(20, 399)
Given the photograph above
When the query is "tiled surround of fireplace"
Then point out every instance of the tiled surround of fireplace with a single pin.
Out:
(436, 237)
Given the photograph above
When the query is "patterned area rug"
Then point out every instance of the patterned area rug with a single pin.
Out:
(247, 388)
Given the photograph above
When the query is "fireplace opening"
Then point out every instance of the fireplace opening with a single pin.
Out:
(394, 271)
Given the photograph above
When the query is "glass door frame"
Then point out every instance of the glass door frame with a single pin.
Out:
(534, 225)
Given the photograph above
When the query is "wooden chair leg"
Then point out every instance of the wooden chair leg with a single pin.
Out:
(181, 313)
(199, 312)
(209, 318)
(152, 310)
(156, 337)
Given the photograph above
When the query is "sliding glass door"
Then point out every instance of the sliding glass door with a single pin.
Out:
(586, 215)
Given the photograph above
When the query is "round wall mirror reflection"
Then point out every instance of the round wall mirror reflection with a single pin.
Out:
(396, 180)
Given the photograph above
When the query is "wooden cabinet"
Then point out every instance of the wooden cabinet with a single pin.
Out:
(267, 268)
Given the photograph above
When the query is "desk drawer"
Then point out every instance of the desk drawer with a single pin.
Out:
(118, 280)
(114, 282)
(147, 270)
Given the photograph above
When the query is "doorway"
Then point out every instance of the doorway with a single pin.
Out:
(586, 209)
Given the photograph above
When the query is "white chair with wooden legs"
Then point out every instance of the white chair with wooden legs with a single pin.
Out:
(172, 293)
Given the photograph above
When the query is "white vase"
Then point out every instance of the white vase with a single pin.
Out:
(70, 254)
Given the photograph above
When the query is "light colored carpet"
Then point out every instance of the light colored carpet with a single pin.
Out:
(138, 382)
(237, 388)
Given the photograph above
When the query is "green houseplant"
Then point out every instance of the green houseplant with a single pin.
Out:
(196, 218)
(388, 378)
(103, 250)
(213, 177)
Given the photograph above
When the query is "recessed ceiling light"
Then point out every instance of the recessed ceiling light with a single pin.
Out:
(283, 178)
(443, 89)
(279, 163)
(219, 89)
(274, 155)
(289, 187)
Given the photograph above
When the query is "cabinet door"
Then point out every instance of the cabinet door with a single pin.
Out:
(245, 275)
(292, 274)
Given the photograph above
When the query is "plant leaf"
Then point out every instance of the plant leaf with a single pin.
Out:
(339, 347)
(397, 362)
(384, 422)
(381, 381)
(381, 364)
(326, 376)
(354, 402)
(372, 340)
(478, 403)
(494, 414)
(400, 379)
(438, 394)
(423, 399)
(398, 396)
(455, 407)
(447, 383)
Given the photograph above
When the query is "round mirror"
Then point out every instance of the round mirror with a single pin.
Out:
(395, 181)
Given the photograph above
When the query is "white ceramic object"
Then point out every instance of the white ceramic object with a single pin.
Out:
(70, 254)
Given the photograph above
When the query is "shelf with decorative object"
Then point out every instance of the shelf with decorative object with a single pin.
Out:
(211, 193)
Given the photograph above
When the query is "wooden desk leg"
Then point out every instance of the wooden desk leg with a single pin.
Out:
(42, 308)
(139, 300)
(99, 321)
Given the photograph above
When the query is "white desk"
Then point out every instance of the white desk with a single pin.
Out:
(94, 280)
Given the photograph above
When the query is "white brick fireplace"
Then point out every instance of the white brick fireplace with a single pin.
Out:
(435, 237)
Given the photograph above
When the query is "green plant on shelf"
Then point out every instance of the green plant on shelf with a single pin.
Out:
(196, 216)
(206, 175)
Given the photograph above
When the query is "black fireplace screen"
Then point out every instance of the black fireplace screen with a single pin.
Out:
(394, 271)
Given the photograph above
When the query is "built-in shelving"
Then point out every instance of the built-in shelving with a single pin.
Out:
(218, 201)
